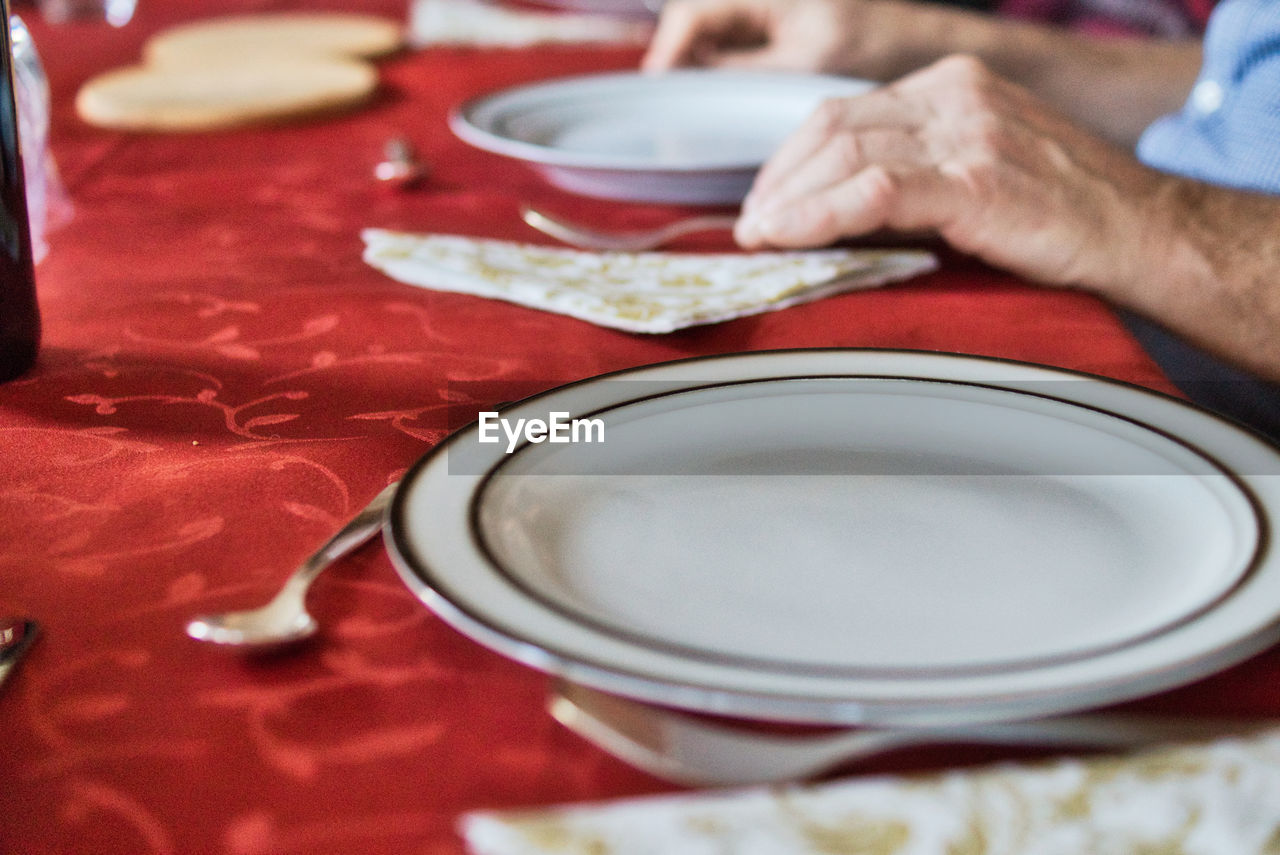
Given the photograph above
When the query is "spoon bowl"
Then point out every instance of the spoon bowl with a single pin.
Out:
(17, 634)
(285, 620)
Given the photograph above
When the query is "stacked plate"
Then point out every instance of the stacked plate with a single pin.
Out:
(685, 137)
(859, 537)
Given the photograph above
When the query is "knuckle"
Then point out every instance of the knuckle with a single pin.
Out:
(822, 221)
(977, 173)
(965, 70)
(967, 84)
(986, 133)
(879, 186)
(849, 152)
(826, 223)
(829, 115)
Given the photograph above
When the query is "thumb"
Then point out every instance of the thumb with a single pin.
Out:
(696, 32)
(679, 30)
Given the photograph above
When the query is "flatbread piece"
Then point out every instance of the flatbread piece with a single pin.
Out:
(223, 94)
(269, 34)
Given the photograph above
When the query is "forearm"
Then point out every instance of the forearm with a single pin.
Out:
(1210, 271)
(1114, 86)
(961, 151)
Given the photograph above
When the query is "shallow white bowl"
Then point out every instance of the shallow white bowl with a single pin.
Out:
(685, 137)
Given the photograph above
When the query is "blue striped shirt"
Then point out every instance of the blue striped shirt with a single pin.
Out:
(1228, 132)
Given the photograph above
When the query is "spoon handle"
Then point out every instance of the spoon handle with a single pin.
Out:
(585, 237)
(690, 750)
(284, 618)
(350, 537)
(706, 223)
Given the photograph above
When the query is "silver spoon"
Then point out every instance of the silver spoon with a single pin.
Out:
(285, 619)
(688, 750)
(585, 237)
(16, 635)
(400, 166)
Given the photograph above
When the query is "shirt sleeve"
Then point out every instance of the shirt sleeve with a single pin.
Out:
(1228, 132)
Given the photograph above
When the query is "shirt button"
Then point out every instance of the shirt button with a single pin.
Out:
(1207, 96)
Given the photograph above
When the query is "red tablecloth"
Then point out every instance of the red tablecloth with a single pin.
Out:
(223, 381)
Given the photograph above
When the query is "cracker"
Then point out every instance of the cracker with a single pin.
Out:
(224, 94)
(242, 36)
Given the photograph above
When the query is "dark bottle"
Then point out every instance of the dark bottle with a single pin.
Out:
(19, 313)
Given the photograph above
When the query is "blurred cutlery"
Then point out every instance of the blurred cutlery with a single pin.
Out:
(285, 619)
(400, 167)
(693, 751)
(17, 634)
(585, 237)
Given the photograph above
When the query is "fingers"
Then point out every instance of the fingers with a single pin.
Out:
(696, 32)
(881, 110)
(673, 41)
(856, 165)
(957, 152)
(840, 157)
(858, 204)
(875, 198)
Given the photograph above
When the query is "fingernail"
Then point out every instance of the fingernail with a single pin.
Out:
(763, 224)
(770, 221)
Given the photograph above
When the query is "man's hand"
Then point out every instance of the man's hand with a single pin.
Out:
(1115, 87)
(957, 150)
(867, 38)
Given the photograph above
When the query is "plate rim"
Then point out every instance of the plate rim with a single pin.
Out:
(462, 123)
(908, 708)
(482, 546)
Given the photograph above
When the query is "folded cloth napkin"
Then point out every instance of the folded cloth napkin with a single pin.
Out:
(467, 22)
(1221, 798)
(647, 292)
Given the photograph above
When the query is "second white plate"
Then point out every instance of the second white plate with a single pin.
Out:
(685, 137)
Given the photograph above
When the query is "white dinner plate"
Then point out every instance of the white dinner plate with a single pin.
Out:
(879, 537)
(684, 137)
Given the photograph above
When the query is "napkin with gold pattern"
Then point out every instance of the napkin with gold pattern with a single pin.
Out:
(647, 292)
(1221, 798)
